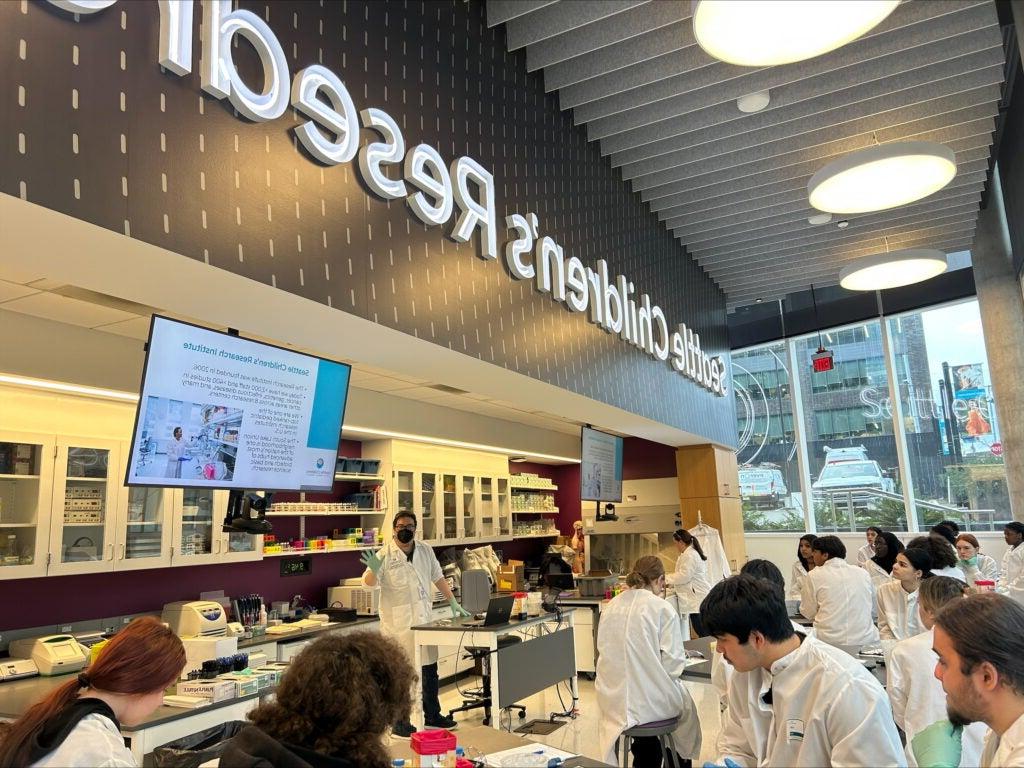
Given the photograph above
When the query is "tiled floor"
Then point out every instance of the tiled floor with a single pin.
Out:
(580, 735)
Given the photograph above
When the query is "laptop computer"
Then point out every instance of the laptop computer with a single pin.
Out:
(499, 611)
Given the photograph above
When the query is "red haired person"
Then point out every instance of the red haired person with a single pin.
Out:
(78, 724)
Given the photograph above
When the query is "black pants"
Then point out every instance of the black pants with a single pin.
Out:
(698, 625)
(431, 705)
(647, 753)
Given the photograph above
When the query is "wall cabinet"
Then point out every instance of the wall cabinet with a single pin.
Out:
(26, 489)
(452, 507)
(198, 538)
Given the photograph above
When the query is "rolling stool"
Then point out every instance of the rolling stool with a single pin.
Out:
(662, 729)
(480, 698)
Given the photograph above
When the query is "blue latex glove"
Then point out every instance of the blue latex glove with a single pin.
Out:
(371, 561)
(728, 763)
(457, 610)
(938, 745)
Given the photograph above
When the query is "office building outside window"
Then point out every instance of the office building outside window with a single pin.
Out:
(852, 433)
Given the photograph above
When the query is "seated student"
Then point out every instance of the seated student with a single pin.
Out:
(916, 695)
(980, 644)
(867, 551)
(1011, 572)
(942, 553)
(946, 530)
(793, 700)
(838, 597)
(974, 564)
(804, 564)
(78, 723)
(897, 601)
(879, 567)
(336, 701)
(767, 571)
(640, 659)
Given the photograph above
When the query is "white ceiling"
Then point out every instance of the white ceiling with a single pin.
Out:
(731, 186)
(37, 297)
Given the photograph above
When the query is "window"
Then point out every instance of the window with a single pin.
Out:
(954, 466)
(949, 418)
(769, 469)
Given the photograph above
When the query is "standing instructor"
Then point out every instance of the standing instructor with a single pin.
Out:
(407, 575)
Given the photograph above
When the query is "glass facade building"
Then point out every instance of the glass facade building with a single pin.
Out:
(901, 433)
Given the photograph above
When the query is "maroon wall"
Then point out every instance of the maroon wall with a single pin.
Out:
(643, 460)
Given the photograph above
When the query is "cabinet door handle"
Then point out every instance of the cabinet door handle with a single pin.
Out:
(123, 551)
(220, 544)
(111, 556)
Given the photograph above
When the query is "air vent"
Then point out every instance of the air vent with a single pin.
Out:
(104, 300)
(449, 390)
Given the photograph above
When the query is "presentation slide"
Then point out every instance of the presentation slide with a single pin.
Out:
(601, 470)
(219, 411)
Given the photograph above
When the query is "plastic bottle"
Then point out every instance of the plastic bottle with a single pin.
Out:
(263, 615)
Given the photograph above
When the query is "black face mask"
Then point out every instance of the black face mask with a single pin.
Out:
(405, 535)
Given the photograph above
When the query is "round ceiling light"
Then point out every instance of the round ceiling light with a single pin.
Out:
(881, 177)
(753, 102)
(766, 33)
(893, 269)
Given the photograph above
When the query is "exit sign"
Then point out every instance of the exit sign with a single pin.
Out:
(822, 361)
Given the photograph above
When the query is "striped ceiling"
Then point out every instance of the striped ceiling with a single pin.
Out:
(733, 186)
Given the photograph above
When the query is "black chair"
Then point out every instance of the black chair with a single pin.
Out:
(480, 698)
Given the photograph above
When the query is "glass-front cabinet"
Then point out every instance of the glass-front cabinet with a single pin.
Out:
(26, 482)
(84, 517)
(144, 529)
(198, 536)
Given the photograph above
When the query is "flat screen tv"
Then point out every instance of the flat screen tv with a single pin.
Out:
(601, 466)
(219, 411)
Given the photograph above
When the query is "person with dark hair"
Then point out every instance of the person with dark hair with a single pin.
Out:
(408, 575)
(879, 567)
(897, 601)
(979, 642)
(765, 570)
(916, 695)
(334, 704)
(942, 554)
(946, 531)
(975, 565)
(640, 659)
(1011, 574)
(804, 564)
(78, 723)
(867, 551)
(689, 581)
(793, 700)
(838, 597)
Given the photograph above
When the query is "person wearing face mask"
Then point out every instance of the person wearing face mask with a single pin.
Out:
(640, 659)
(408, 574)
(897, 601)
(974, 564)
(1011, 575)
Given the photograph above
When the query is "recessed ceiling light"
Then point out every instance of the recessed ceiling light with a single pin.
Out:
(893, 269)
(753, 102)
(766, 33)
(819, 218)
(882, 177)
(843, 224)
(758, 301)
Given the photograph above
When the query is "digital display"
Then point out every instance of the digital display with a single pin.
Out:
(219, 411)
(822, 362)
(601, 466)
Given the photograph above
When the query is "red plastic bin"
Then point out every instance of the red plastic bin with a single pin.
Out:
(433, 742)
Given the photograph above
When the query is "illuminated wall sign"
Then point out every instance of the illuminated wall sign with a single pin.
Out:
(434, 191)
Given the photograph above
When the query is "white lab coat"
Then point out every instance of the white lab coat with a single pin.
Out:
(877, 574)
(711, 543)
(826, 709)
(640, 659)
(796, 581)
(917, 697)
(406, 591)
(1006, 751)
(1011, 575)
(864, 554)
(94, 741)
(690, 582)
(952, 572)
(987, 569)
(898, 618)
(175, 452)
(837, 596)
(722, 671)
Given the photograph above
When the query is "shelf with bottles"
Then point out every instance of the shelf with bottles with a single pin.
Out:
(531, 482)
(535, 511)
(527, 501)
(522, 529)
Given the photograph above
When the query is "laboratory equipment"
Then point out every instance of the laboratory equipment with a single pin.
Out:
(196, 618)
(52, 654)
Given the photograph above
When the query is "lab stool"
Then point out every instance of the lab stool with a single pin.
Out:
(480, 698)
(661, 729)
